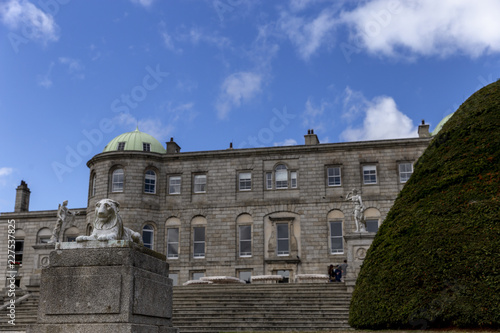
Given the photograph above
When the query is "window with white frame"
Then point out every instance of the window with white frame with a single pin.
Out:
(146, 146)
(245, 181)
(334, 176)
(150, 182)
(200, 184)
(117, 181)
(174, 185)
(293, 179)
(281, 176)
(336, 237)
(245, 232)
(269, 180)
(172, 243)
(405, 171)
(148, 236)
(199, 242)
(283, 238)
(369, 174)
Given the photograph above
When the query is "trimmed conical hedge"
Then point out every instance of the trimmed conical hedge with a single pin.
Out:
(435, 261)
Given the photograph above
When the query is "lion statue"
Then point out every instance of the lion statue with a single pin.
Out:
(108, 224)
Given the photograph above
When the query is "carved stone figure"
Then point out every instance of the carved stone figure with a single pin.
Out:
(359, 208)
(64, 217)
(108, 224)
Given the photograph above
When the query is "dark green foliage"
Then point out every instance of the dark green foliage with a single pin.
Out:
(435, 261)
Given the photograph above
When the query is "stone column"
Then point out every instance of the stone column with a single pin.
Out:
(112, 287)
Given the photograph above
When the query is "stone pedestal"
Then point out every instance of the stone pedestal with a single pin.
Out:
(90, 288)
(357, 246)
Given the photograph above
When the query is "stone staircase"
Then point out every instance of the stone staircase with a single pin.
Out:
(226, 308)
(264, 307)
(26, 313)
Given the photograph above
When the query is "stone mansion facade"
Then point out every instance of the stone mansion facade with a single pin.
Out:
(234, 212)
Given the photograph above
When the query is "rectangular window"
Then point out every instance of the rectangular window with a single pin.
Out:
(372, 225)
(19, 249)
(333, 175)
(245, 241)
(117, 181)
(173, 243)
(150, 182)
(405, 171)
(245, 276)
(293, 179)
(369, 174)
(174, 185)
(200, 183)
(336, 237)
(175, 278)
(269, 180)
(121, 146)
(245, 181)
(283, 239)
(197, 275)
(146, 146)
(199, 242)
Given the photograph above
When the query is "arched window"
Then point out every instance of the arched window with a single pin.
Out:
(93, 184)
(148, 236)
(70, 234)
(117, 180)
(372, 219)
(281, 176)
(43, 236)
(336, 228)
(150, 182)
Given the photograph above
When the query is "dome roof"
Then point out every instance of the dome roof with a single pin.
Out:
(441, 124)
(136, 141)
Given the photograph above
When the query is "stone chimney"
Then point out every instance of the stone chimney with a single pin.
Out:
(423, 130)
(172, 147)
(22, 198)
(311, 138)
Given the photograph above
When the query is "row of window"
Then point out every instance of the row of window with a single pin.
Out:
(280, 178)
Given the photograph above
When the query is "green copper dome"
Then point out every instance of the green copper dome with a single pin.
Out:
(441, 124)
(136, 141)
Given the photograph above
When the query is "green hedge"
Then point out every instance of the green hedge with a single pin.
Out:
(435, 261)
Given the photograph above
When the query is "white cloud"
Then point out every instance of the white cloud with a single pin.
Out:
(196, 35)
(308, 35)
(237, 88)
(144, 3)
(426, 27)
(33, 23)
(4, 172)
(75, 67)
(286, 142)
(382, 120)
(313, 115)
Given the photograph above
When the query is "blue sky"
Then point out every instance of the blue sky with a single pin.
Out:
(75, 74)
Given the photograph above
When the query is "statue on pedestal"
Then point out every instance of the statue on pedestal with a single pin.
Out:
(359, 208)
(108, 225)
(64, 217)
